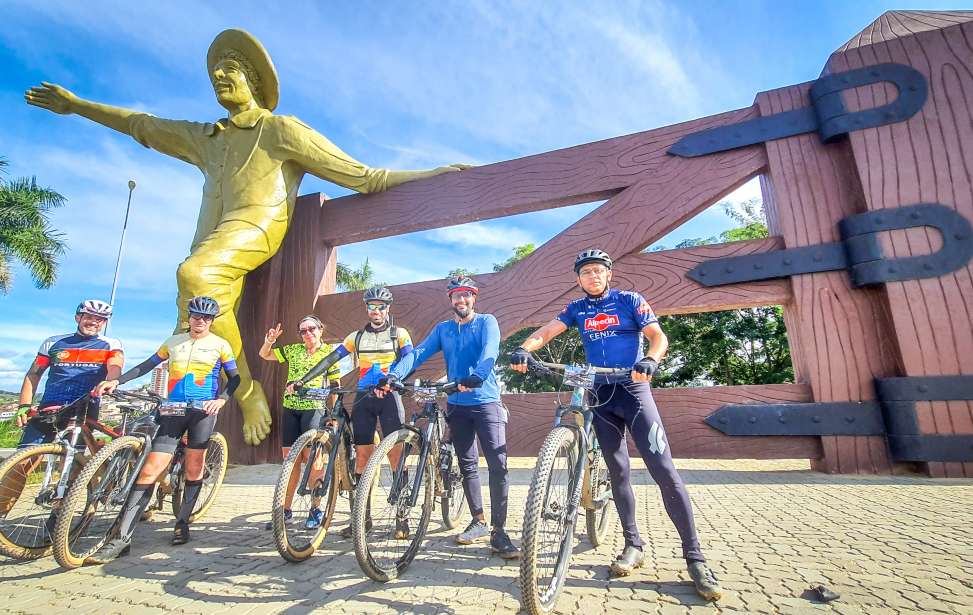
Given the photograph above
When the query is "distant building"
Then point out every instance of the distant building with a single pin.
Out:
(160, 379)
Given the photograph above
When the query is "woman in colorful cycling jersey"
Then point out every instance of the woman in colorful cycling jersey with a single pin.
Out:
(195, 361)
(300, 414)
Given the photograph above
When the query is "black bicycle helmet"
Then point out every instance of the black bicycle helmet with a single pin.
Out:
(462, 283)
(94, 307)
(592, 255)
(204, 306)
(378, 293)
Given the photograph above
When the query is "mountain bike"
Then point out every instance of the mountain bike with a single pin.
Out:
(570, 474)
(392, 501)
(34, 481)
(103, 486)
(328, 458)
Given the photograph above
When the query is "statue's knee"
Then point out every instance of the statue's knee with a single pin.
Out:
(189, 276)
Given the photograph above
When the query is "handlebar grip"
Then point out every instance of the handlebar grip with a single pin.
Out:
(451, 388)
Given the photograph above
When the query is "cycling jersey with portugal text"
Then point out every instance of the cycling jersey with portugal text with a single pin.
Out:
(195, 364)
(610, 326)
(76, 362)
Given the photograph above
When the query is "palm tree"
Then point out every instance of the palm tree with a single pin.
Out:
(356, 279)
(25, 230)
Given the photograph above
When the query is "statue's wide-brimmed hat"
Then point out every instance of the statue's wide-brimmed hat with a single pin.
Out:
(239, 40)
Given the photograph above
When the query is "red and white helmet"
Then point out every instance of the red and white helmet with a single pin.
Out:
(94, 307)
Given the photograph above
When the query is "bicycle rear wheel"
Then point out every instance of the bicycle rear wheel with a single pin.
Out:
(454, 497)
(382, 509)
(27, 508)
(548, 538)
(598, 518)
(295, 541)
(94, 501)
(214, 469)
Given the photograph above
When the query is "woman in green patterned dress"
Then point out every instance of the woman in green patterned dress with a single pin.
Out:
(300, 415)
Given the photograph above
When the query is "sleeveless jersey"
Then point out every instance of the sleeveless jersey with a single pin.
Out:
(76, 364)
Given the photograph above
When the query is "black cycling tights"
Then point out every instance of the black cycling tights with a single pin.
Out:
(630, 405)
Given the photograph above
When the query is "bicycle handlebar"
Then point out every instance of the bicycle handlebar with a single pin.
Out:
(322, 392)
(612, 371)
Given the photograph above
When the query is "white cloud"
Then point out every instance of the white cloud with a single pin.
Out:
(482, 235)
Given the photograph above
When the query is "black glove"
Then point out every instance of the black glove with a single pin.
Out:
(471, 382)
(520, 357)
(298, 385)
(647, 366)
(390, 381)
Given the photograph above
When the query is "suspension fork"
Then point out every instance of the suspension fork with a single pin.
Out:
(582, 443)
(122, 495)
(69, 458)
(302, 487)
(423, 459)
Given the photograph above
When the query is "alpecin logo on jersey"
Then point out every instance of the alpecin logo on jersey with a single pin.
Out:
(600, 322)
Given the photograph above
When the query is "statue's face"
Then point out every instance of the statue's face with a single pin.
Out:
(230, 84)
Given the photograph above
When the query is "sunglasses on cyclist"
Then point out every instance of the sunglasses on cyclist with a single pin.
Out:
(461, 294)
(376, 307)
(306, 330)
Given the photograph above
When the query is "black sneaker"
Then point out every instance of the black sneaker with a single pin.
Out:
(706, 584)
(501, 544)
(180, 534)
(114, 548)
(627, 561)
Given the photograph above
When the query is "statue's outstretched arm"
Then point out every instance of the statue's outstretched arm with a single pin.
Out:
(54, 98)
(400, 177)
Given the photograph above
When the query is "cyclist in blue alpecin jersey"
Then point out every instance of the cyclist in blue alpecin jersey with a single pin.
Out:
(614, 325)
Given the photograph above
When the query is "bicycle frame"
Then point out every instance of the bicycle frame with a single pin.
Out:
(432, 434)
(340, 431)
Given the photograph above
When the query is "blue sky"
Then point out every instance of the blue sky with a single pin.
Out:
(399, 85)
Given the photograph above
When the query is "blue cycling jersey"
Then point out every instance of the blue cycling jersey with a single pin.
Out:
(77, 363)
(610, 326)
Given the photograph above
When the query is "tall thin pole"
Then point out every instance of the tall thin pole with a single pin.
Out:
(121, 243)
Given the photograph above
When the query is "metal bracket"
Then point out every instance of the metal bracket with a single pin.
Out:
(821, 419)
(826, 113)
(859, 251)
(892, 415)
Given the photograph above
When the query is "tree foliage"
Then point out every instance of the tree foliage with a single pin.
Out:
(26, 233)
(356, 279)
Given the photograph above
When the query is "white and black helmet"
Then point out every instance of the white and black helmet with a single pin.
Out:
(378, 293)
(592, 255)
(94, 307)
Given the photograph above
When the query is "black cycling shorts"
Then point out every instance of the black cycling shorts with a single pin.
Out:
(293, 423)
(369, 410)
(172, 428)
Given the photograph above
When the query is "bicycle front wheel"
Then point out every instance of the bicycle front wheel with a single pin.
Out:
(214, 469)
(454, 497)
(298, 537)
(387, 527)
(27, 510)
(95, 500)
(548, 538)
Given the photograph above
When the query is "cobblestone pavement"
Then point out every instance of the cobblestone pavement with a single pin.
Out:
(770, 530)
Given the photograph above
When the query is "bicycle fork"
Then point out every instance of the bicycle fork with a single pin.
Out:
(122, 495)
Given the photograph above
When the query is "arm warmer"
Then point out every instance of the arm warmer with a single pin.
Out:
(141, 369)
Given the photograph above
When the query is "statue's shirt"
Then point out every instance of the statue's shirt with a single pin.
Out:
(253, 164)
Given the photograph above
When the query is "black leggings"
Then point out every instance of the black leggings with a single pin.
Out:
(488, 424)
(630, 405)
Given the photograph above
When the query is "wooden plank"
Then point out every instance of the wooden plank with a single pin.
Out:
(925, 159)
(839, 337)
(580, 174)
(683, 411)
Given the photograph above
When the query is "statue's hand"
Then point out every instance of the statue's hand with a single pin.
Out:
(52, 97)
(459, 166)
(256, 423)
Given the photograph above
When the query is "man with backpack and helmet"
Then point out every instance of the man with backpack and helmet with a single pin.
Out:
(376, 347)
(196, 358)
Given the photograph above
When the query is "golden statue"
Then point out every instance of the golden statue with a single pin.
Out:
(253, 162)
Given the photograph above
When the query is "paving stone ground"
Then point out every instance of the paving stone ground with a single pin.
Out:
(901, 544)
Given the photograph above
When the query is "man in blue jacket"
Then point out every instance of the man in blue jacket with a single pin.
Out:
(470, 343)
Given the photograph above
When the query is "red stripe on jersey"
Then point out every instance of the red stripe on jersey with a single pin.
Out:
(42, 360)
(82, 355)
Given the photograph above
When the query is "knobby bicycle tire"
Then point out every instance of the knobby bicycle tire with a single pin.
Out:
(211, 484)
(453, 496)
(598, 520)
(363, 494)
(8, 545)
(79, 493)
(534, 600)
(287, 548)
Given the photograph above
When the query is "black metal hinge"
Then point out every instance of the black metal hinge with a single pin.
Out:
(893, 415)
(858, 251)
(826, 113)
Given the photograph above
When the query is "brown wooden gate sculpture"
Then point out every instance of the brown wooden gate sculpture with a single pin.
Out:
(862, 170)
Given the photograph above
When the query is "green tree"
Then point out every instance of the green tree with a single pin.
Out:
(25, 230)
(520, 252)
(460, 272)
(356, 279)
